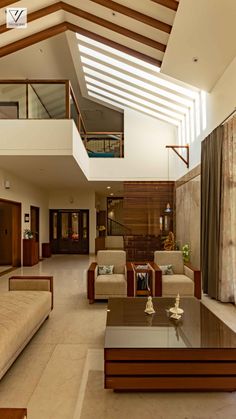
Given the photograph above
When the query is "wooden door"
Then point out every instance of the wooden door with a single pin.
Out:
(69, 231)
(10, 233)
(34, 225)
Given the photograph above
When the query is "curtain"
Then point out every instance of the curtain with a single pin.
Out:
(227, 257)
(211, 166)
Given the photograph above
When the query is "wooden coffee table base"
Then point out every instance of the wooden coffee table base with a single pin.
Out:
(184, 369)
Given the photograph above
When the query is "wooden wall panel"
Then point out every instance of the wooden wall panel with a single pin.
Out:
(144, 203)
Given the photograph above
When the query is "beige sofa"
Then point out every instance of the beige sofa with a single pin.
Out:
(23, 309)
(101, 287)
(185, 280)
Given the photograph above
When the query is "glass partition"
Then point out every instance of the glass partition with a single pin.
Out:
(12, 101)
(46, 101)
(49, 99)
(107, 144)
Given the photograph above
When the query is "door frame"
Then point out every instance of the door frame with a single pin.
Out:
(36, 210)
(59, 211)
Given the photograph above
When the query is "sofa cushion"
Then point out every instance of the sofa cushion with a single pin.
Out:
(170, 257)
(166, 269)
(20, 313)
(110, 285)
(177, 284)
(112, 257)
(105, 269)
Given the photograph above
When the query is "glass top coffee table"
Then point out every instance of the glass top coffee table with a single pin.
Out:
(155, 352)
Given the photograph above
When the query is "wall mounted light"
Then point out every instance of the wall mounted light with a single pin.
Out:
(26, 218)
(7, 184)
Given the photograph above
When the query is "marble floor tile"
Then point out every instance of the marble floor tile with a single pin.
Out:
(106, 404)
(57, 391)
(48, 375)
(18, 385)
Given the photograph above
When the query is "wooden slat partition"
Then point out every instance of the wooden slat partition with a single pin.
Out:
(144, 203)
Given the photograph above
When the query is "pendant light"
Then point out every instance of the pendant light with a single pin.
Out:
(168, 208)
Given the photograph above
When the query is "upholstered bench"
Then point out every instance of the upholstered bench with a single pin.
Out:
(23, 309)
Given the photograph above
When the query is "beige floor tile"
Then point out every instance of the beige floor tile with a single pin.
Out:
(18, 385)
(47, 375)
(57, 391)
(110, 405)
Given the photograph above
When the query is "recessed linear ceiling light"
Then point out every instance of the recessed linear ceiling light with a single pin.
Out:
(133, 89)
(134, 99)
(140, 73)
(100, 94)
(135, 81)
(118, 53)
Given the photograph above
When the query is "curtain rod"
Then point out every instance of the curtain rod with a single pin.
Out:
(231, 113)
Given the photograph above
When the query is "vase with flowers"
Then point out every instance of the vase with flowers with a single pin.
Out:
(28, 234)
(186, 252)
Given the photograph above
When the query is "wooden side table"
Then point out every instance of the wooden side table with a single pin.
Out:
(143, 268)
(46, 250)
(13, 413)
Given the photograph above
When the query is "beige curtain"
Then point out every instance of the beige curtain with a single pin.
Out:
(211, 175)
(227, 251)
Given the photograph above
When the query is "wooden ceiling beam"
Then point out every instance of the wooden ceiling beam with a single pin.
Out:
(134, 14)
(62, 27)
(113, 44)
(170, 4)
(32, 39)
(92, 18)
(45, 11)
(5, 3)
(115, 28)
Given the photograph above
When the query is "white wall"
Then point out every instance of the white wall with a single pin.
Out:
(146, 157)
(77, 199)
(27, 194)
(219, 104)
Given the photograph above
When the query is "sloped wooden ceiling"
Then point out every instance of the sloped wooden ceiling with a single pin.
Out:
(140, 28)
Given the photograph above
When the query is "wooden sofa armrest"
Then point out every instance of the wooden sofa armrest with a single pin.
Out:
(158, 279)
(31, 283)
(90, 282)
(130, 275)
(196, 279)
(13, 413)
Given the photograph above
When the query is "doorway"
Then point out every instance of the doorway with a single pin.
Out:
(10, 234)
(34, 225)
(69, 231)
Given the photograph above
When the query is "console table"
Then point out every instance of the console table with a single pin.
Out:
(155, 352)
(12, 413)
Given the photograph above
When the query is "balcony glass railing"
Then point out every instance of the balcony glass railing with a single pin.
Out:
(104, 144)
(55, 99)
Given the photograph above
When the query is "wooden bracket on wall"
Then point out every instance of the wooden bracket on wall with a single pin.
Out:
(186, 147)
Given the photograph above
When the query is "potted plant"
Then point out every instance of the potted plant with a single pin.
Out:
(28, 234)
(186, 252)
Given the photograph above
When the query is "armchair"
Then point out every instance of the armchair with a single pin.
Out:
(185, 280)
(104, 286)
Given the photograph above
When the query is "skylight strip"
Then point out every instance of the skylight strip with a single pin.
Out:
(197, 114)
(129, 103)
(132, 89)
(203, 108)
(192, 125)
(132, 106)
(140, 73)
(136, 82)
(117, 52)
(135, 99)
(116, 104)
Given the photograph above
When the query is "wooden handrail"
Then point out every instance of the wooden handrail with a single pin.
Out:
(69, 90)
(77, 107)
